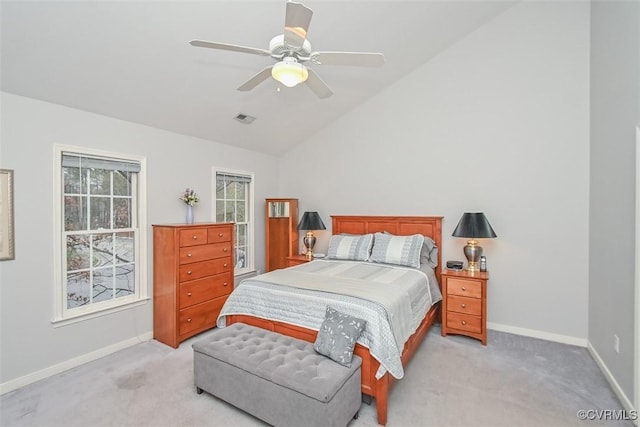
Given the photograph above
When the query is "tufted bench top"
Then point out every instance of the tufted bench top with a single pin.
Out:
(286, 361)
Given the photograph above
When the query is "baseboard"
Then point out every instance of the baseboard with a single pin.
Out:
(626, 402)
(533, 333)
(72, 363)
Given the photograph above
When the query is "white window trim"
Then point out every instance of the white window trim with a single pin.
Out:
(60, 315)
(251, 229)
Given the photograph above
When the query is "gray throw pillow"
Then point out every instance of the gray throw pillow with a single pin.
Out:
(338, 335)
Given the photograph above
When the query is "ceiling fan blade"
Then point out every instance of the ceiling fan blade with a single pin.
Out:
(317, 85)
(230, 47)
(256, 80)
(296, 24)
(360, 59)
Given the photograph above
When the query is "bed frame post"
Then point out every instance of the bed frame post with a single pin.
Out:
(382, 397)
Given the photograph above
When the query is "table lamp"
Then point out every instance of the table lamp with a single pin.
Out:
(310, 221)
(473, 225)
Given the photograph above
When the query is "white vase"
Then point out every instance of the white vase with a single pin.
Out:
(189, 214)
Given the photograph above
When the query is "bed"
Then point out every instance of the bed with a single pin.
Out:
(380, 366)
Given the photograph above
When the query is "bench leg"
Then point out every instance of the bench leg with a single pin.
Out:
(199, 390)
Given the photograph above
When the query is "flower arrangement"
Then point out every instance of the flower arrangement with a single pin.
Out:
(189, 197)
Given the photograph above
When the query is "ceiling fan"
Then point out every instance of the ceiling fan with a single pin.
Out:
(292, 49)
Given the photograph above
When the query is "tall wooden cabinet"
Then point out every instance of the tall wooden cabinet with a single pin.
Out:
(192, 278)
(281, 232)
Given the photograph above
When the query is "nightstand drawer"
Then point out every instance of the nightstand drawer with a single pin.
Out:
(296, 260)
(464, 322)
(464, 305)
(464, 287)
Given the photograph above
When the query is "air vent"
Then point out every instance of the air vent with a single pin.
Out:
(244, 118)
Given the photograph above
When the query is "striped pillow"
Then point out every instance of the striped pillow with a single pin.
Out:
(350, 247)
(400, 250)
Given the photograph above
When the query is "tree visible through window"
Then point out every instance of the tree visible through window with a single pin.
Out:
(99, 231)
(234, 204)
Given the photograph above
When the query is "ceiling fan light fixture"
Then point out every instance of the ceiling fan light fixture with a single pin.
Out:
(289, 72)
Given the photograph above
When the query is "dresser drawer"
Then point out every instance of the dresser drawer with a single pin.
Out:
(193, 236)
(464, 322)
(200, 316)
(464, 305)
(463, 287)
(197, 270)
(203, 252)
(197, 291)
(219, 234)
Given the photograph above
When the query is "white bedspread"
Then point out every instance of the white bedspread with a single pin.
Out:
(392, 299)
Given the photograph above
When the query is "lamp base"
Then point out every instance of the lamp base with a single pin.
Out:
(309, 241)
(473, 251)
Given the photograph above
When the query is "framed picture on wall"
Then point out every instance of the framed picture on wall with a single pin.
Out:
(6, 215)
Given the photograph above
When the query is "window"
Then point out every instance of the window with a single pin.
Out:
(234, 203)
(100, 232)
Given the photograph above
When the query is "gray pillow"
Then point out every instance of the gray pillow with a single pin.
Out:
(429, 253)
(400, 250)
(338, 335)
(350, 247)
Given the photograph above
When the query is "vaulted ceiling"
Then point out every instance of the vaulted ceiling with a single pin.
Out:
(132, 60)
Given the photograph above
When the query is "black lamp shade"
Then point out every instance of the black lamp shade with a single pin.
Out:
(474, 225)
(311, 221)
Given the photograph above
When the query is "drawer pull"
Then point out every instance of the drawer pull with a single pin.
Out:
(225, 250)
(463, 305)
(195, 237)
(189, 294)
(464, 322)
(225, 264)
(225, 284)
(220, 234)
(464, 289)
(189, 272)
(189, 255)
(189, 320)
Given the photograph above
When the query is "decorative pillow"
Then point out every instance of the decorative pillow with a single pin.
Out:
(429, 253)
(338, 335)
(350, 247)
(400, 250)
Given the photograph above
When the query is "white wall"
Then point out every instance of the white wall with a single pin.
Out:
(498, 123)
(30, 347)
(615, 113)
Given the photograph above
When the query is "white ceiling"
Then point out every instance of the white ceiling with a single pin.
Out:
(132, 60)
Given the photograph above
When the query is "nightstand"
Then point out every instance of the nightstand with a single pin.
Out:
(296, 260)
(464, 303)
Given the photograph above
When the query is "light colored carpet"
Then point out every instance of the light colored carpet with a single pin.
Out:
(452, 381)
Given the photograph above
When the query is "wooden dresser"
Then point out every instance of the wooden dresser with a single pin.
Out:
(192, 278)
(464, 303)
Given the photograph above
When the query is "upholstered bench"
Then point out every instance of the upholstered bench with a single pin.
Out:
(276, 378)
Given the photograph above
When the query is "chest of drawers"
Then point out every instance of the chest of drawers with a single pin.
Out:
(464, 303)
(192, 278)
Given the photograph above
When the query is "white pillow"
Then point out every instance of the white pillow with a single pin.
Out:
(350, 247)
(399, 250)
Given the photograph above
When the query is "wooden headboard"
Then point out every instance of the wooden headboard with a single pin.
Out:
(430, 226)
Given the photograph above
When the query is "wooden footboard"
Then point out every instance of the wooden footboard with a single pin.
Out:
(378, 389)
